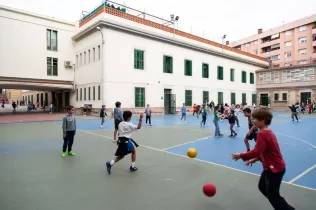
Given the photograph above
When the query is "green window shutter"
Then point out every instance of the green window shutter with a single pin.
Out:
(220, 73)
(188, 97)
(254, 98)
(185, 67)
(142, 97)
(99, 92)
(190, 68)
(135, 59)
(164, 64)
(139, 97)
(243, 77)
(203, 73)
(220, 97)
(233, 98)
(171, 64)
(232, 75)
(252, 78)
(244, 98)
(205, 96)
(80, 94)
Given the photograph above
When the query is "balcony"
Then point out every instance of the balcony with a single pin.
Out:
(269, 43)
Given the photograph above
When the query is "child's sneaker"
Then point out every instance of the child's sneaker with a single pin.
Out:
(71, 153)
(63, 154)
(108, 167)
(101, 126)
(133, 168)
(235, 135)
(230, 136)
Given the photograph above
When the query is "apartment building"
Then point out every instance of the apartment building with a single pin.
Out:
(288, 45)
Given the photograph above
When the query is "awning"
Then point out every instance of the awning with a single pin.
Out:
(275, 36)
(275, 46)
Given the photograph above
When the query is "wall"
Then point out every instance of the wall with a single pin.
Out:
(12, 95)
(121, 78)
(23, 42)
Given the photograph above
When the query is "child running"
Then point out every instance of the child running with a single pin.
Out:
(294, 112)
(215, 120)
(236, 111)
(198, 110)
(232, 119)
(194, 109)
(118, 118)
(204, 114)
(184, 113)
(69, 131)
(252, 133)
(148, 114)
(126, 145)
(102, 115)
(267, 150)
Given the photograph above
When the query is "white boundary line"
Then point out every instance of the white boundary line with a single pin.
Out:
(199, 160)
(200, 139)
(306, 142)
(302, 174)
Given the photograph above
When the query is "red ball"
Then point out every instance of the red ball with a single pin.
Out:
(209, 189)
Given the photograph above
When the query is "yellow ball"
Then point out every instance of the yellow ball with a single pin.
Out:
(191, 152)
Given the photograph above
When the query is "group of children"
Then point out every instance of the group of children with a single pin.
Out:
(266, 149)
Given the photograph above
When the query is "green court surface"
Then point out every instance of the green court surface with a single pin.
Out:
(34, 176)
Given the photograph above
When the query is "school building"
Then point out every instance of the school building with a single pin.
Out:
(113, 54)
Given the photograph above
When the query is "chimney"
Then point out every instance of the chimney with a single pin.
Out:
(260, 31)
(227, 43)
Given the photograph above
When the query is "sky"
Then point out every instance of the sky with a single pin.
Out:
(206, 18)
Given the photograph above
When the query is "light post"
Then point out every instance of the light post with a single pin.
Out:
(223, 38)
(102, 56)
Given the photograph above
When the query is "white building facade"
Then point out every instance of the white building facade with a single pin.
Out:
(139, 62)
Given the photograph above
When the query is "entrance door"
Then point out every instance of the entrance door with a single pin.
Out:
(306, 97)
(167, 99)
(67, 99)
(42, 98)
(264, 99)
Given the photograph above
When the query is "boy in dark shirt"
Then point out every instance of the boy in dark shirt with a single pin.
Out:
(252, 133)
(102, 115)
(231, 120)
(118, 118)
(294, 112)
(267, 150)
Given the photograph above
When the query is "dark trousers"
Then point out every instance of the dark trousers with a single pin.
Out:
(294, 114)
(194, 112)
(231, 127)
(203, 119)
(148, 118)
(68, 140)
(269, 186)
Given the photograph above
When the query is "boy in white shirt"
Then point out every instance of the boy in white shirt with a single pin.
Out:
(125, 144)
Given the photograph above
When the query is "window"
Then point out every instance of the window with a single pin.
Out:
(167, 64)
(302, 62)
(288, 64)
(302, 40)
(284, 96)
(84, 94)
(93, 54)
(247, 45)
(296, 75)
(138, 59)
(288, 33)
(220, 73)
(205, 96)
(252, 78)
(80, 94)
(89, 92)
(288, 54)
(187, 67)
(275, 57)
(255, 42)
(270, 77)
(77, 60)
(88, 56)
(302, 52)
(288, 44)
(84, 58)
(243, 77)
(93, 93)
(244, 98)
(254, 98)
(205, 70)
(302, 28)
(99, 52)
(80, 59)
(52, 66)
(276, 96)
(188, 97)
(233, 98)
(139, 97)
(220, 97)
(51, 40)
(232, 75)
(99, 92)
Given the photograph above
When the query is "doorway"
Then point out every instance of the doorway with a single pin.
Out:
(67, 99)
(169, 102)
(264, 99)
(306, 97)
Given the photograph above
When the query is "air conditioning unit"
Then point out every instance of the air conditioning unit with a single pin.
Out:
(68, 64)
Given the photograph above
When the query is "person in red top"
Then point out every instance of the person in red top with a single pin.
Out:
(267, 150)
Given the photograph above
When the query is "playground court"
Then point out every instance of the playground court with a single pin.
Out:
(34, 176)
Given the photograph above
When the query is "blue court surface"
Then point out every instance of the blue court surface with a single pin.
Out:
(296, 140)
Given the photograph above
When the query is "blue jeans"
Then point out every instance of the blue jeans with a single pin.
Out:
(217, 131)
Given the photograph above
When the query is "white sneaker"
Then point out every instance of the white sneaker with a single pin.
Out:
(101, 126)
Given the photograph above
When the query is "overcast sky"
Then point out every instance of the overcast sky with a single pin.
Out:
(213, 18)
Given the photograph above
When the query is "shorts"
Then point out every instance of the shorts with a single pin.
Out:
(184, 114)
(116, 123)
(125, 146)
(252, 136)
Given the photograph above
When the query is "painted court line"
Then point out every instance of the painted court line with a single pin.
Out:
(200, 139)
(306, 142)
(302, 174)
(203, 161)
